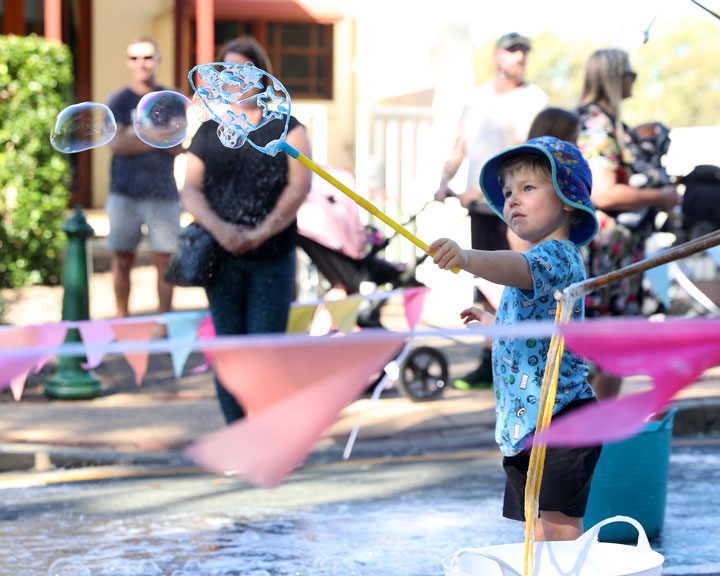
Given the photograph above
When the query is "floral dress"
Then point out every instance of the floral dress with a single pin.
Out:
(615, 245)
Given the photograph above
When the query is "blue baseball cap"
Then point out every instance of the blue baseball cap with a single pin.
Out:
(570, 175)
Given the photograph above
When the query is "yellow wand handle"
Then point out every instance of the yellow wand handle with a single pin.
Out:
(356, 198)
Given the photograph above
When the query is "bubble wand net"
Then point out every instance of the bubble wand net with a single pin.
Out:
(228, 91)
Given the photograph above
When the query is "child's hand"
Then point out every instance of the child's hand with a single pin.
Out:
(447, 254)
(474, 314)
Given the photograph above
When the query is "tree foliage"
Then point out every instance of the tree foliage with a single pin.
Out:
(678, 81)
(36, 82)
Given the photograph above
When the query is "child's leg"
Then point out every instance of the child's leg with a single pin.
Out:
(557, 526)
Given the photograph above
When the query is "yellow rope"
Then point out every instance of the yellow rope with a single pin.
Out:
(537, 454)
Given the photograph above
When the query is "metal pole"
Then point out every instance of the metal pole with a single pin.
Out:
(72, 381)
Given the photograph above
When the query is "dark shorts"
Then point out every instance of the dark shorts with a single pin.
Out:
(566, 478)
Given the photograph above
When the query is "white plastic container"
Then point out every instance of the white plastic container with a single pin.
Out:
(585, 556)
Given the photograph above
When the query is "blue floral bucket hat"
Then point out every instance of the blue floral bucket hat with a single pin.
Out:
(570, 174)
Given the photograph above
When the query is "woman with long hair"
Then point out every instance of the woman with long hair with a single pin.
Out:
(604, 141)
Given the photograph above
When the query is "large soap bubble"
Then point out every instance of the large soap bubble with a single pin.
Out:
(161, 118)
(83, 126)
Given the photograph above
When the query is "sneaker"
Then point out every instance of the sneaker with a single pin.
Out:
(480, 378)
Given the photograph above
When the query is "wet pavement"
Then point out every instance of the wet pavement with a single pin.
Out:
(357, 518)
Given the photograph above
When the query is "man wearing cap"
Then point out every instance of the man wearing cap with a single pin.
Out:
(496, 116)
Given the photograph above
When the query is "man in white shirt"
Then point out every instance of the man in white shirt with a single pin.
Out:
(496, 116)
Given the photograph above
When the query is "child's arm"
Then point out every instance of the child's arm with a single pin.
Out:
(476, 315)
(500, 266)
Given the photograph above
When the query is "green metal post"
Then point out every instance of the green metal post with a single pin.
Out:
(72, 381)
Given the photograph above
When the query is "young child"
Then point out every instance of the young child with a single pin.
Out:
(558, 122)
(542, 190)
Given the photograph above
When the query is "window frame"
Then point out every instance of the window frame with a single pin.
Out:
(319, 83)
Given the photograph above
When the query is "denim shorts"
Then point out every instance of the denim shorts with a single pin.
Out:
(565, 485)
(127, 217)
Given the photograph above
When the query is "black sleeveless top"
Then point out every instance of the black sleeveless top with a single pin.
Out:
(242, 185)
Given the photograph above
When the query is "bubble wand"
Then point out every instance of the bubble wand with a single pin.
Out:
(222, 97)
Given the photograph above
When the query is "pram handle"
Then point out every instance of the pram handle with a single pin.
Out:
(294, 153)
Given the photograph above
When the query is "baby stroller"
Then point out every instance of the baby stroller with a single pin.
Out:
(700, 214)
(648, 143)
(346, 253)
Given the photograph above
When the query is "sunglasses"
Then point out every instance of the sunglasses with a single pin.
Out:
(630, 74)
(517, 48)
(146, 58)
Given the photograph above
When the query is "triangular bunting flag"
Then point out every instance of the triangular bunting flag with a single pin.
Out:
(95, 332)
(300, 319)
(659, 279)
(14, 369)
(136, 332)
(414, 299)
(344, 312)
(182, 326)
(674, 353)
(205, 332)
(46, 335)
(292, 391)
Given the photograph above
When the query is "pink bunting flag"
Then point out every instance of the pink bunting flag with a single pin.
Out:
(414, 299)
(95, 332)
(15, 369)
(292, 390)
(138, 332)
(674, 353)
(205, 332)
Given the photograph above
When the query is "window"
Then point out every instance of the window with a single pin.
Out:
(301, 53)
(302, 58)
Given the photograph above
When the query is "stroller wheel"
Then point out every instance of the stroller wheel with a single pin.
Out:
(423, 374)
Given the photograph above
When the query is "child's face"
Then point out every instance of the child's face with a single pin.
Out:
(533, 209)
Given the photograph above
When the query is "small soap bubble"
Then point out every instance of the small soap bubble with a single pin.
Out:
(149, 568)
(161, 118)
(193, 568)
(68, 567)
(82, 127)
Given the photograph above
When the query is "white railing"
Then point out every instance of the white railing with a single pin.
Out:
(314, 118)
(392, 154)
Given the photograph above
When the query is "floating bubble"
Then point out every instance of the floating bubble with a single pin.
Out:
(82, 127)
(161, 118)
(68, 567)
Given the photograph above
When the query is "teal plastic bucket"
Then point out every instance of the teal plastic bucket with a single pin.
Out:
(631, 480)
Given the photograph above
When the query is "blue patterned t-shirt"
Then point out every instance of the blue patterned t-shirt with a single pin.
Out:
(519, 363)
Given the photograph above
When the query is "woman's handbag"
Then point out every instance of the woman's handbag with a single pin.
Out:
(195, 261)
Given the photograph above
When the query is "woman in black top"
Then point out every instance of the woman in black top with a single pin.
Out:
(248, 201)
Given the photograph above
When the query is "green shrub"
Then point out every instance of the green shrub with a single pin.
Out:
(36, 81)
